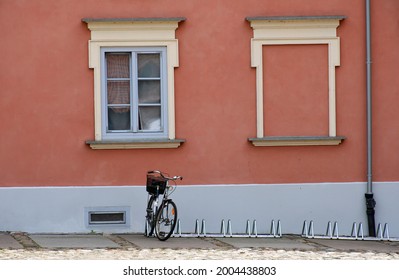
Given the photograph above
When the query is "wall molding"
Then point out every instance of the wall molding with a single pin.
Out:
(295, 31)
(133, 32)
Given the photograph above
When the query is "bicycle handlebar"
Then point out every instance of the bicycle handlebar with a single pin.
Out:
(174, 178)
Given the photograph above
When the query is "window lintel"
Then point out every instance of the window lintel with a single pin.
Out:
(154, 19)
(286, 18)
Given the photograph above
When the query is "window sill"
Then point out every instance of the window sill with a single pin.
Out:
(135, 144)
(280, 141)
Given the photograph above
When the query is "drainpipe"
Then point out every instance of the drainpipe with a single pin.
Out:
(370, 202)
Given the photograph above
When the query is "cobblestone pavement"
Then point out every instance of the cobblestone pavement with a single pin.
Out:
(188, 254)
(20, 246)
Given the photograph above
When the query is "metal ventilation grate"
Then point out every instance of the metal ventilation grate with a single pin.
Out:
(104, 217)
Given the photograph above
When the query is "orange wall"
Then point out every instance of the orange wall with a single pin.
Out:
(386, 90)
(295, 90)
(46, 105)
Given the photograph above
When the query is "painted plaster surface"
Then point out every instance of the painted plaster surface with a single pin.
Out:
(295, 90)
(47, 110)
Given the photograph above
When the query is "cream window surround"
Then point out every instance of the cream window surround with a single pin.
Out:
(295, 31)
(133, 32)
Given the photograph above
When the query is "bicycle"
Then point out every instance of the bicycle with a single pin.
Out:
(162, 220)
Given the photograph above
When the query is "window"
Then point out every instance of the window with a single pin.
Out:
(306, 30)
(134, 93)
(133, 61)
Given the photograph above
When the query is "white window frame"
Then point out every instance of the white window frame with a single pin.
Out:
(133, 33)
(301, 30)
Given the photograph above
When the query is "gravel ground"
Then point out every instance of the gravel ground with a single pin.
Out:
(188, 254)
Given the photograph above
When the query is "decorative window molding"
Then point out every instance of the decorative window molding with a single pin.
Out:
(295, 31)
(275, 141)
(133, 33)
(137, 144)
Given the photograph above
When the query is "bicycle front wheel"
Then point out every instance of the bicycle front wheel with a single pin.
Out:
(150, 217)
(165, 220)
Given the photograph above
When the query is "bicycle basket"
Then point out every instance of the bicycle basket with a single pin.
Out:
(156, 182)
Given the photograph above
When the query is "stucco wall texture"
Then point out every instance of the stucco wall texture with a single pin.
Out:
(46, 95)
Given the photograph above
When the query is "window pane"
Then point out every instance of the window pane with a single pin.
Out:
(148, 65)
(150, 118)
(117, 65)
(150, 92)
(118, 92)
(118, 118)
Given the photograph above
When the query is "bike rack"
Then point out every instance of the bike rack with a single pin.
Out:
(383, 233)
(334, 233)
(357, 232)
(251, 231)
(146, 229)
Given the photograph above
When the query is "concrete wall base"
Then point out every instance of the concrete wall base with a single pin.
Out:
(64, 209)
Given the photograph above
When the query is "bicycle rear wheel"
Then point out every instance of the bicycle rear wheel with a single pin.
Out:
(165, 220)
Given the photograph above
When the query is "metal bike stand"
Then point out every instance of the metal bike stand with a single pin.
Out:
(251, 231)
(357, 232)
